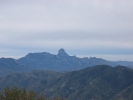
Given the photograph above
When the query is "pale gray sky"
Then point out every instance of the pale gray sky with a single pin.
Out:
(101, 28)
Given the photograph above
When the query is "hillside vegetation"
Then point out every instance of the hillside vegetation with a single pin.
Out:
(101, 82)
(22, 94)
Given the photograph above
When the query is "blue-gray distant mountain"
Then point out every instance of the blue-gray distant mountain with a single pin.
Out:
(62, 61)
(46, 61)
(10, 65)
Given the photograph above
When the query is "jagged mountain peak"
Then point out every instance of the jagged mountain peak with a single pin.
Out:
(62, 53)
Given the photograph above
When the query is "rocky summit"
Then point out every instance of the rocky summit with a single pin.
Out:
(62, 53)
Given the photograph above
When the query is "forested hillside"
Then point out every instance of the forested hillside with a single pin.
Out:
(101, 82)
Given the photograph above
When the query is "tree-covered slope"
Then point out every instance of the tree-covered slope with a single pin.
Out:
(100, 82)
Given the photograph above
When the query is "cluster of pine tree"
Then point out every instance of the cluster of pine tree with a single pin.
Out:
(22, 94)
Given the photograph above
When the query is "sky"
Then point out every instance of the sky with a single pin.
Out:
(85, 28)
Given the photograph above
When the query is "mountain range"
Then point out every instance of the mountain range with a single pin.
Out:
(46, 61)
(69, 76)
(101, 82)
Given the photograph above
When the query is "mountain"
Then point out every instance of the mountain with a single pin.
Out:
(10, 65)
(98, 83)
(101, 82)
(62, 61)
(46, 61)
(23, 79)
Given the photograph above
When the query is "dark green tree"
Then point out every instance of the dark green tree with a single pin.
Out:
(22, 94)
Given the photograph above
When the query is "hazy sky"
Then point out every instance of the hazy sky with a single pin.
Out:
(101, 28)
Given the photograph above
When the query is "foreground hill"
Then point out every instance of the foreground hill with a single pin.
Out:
(100, 82)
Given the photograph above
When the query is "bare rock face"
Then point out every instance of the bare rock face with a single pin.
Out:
(62, 53)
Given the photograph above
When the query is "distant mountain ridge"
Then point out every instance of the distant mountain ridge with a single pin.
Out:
(10, 65)
(46, 61)
(62, 61)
